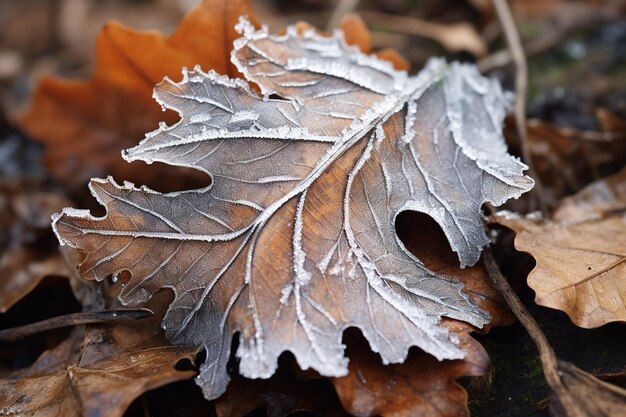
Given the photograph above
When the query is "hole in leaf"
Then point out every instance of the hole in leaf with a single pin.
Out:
(184, 365)
(424, 238)
(166, 178)
(124, 276)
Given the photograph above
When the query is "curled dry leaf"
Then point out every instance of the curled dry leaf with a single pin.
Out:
(294, 241)
(581, 253)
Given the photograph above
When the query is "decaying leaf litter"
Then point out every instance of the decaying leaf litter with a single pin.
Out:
(382, 406)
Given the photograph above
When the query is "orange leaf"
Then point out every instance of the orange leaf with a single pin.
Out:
(86, 124)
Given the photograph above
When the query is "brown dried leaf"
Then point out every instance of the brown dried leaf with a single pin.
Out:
(98, 371)
(421, 386)
(581, 253)
(596, 201)
(21, 272)
(566, 159)
(356, 33)
(25, 238)
(583, 395)
(105, 388)
(294, 241)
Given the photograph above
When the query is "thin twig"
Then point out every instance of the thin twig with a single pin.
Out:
(515, 304)
(504, 57)
(343, 8)
(547, 356)
(557, 35)
(454, 37)
(521, 85)
(74, 319)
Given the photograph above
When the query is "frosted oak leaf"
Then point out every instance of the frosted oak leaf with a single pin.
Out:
(294, 239)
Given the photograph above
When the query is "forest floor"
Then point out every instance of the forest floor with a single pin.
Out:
(577, 76)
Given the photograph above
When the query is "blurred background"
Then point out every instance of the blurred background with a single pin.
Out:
(566, 40)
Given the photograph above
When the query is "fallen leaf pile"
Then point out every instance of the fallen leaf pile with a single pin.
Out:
(306, 234)
(567, 159)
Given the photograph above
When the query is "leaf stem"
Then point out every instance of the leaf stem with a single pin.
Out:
(546, 353)
(514, 43)
(575, 393)
(74, 319)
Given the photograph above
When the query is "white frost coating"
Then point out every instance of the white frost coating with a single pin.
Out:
(509, 215)
(71, 212)
(277, 178)
(273, 151)
(336, 58)
(493, 159)
(283, 132)
(417, 317)
(285, 293)
(302, 275)
(323, 264)
(535, 216)
(244, 115)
